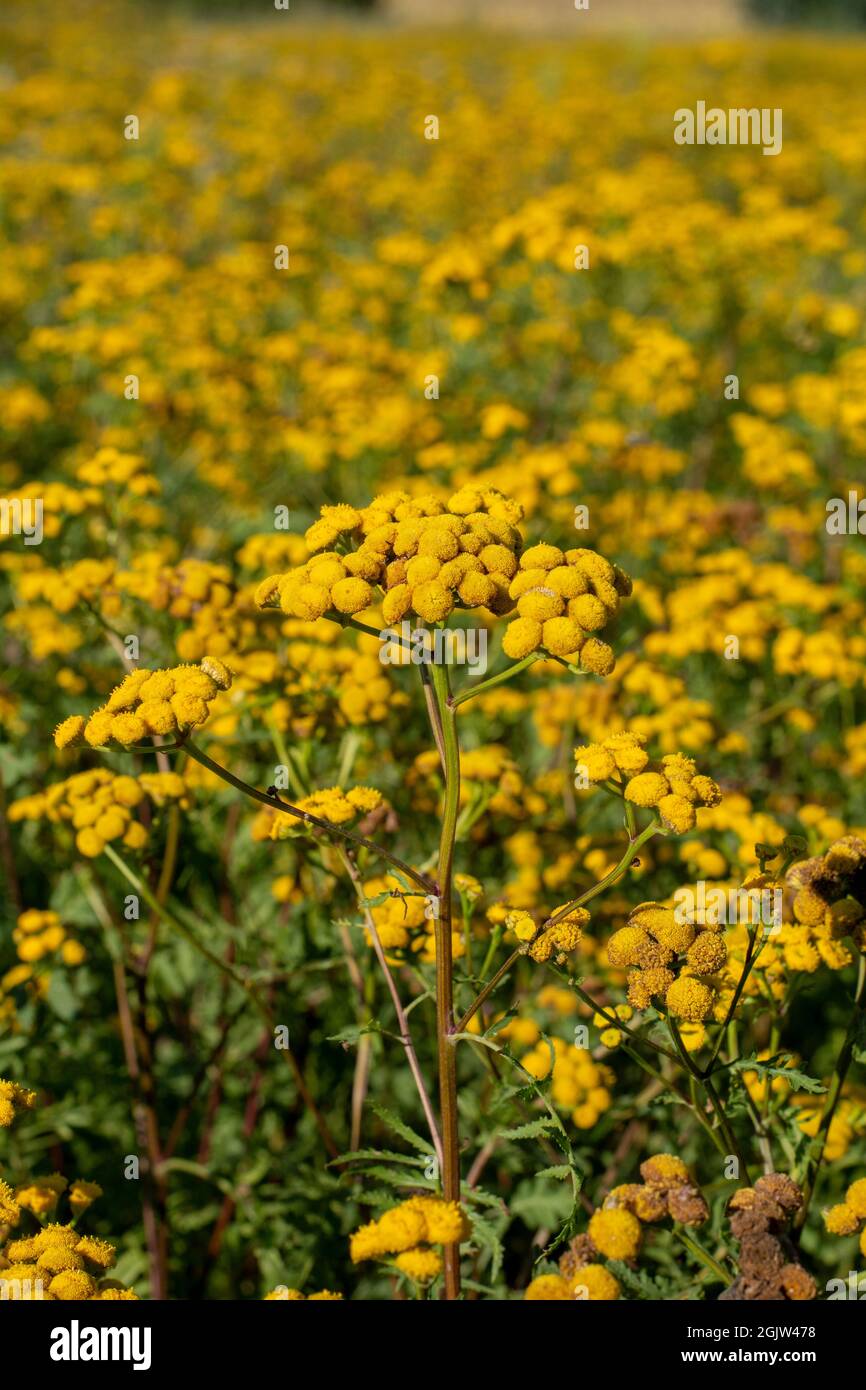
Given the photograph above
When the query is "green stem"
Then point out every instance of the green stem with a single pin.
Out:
(748, 964)
(277, 805)
(703, 1255)
(712, 1096)
(483, 686)
(444, 967)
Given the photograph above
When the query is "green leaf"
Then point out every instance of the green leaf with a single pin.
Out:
(558, 1170)
(536, 1129)
(636, 1282)
(394, 1178)
(355, 1033)
(797, 1080)
(391, 1121)
(487, 1237)
(539, 1203)
(352, 1154)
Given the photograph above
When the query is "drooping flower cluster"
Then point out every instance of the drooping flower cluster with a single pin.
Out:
(673, 786)
(768, 1264)
(425, 557)
(848, 1217)
(669, 960)
(14, 1099)
(668, 1189)
(149, 703)
(408, 1231)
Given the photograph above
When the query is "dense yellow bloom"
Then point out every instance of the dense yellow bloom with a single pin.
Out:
(98, 805)
(331, 804)
(616, 1233)
(548, 1288)
(148, 703)
(406, 1229)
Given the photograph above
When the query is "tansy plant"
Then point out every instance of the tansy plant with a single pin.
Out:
(689, 984)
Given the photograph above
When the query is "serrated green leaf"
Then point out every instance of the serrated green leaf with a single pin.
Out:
(535, 1129)
(774, 1066)
(488, 1238)
(397, 1126)
(352, 1154)
(637, 1282)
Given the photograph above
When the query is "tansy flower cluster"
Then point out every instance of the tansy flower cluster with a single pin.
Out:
(64, 589)
(331, 804)
(57, 1262)
(848, 1217)
(615, 1232)
(490, 783)
(39, 933)
(320, 683)
(579, 1084)
(768, 1264)
(14, 1099)
(668, 1189)
(407, 1232)
(807, 1110)
(546, 942)
(673, 786)
(563, 598)
(666, 959)
(110, 465)
(99, 806)
(150, 703)
(429, 557)
(60, 1263)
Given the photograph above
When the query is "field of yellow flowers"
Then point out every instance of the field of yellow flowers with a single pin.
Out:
(432, 660)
